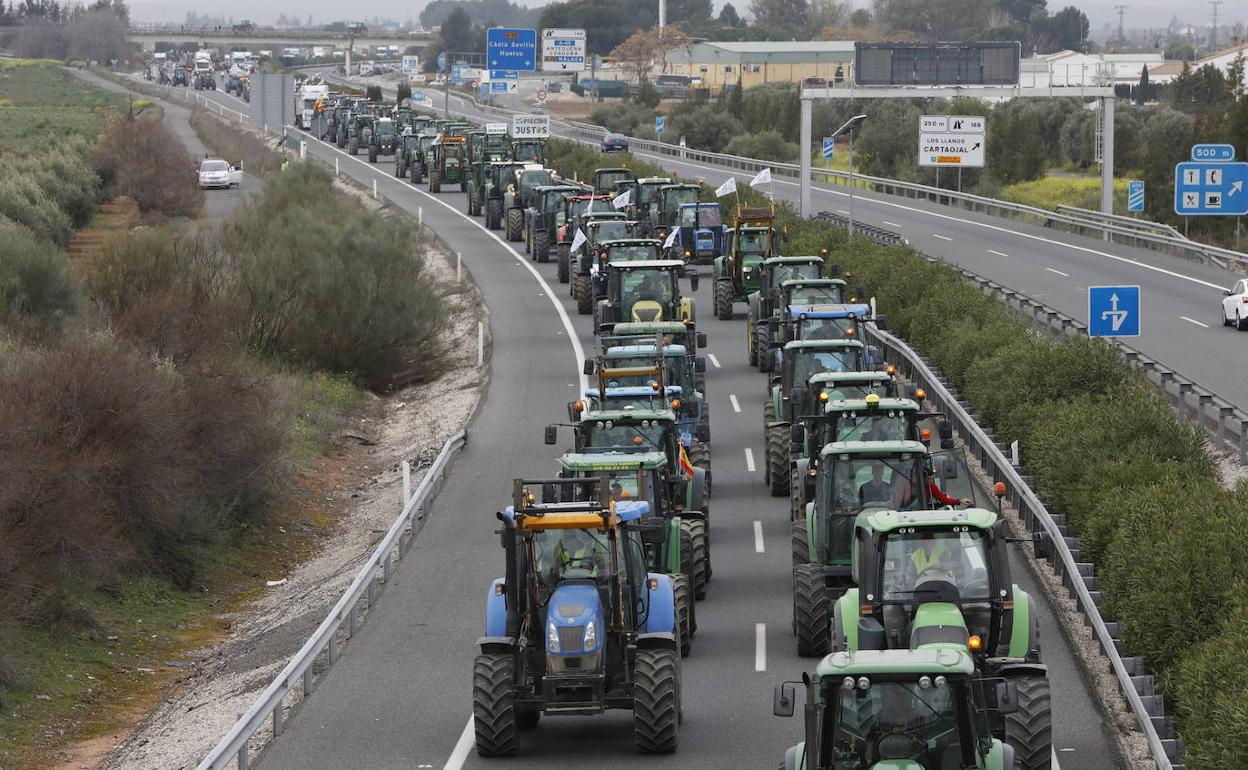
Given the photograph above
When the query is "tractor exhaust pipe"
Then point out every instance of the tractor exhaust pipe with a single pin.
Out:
(511, 578)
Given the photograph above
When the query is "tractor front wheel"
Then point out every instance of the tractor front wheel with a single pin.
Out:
(581, 289)
(562, 259)
(435, 181)
(494, 704)
(541, 245)
(656, 701)
(515, 225)
(801, 546)
(701, 575)
(682, 600)
(723, 299)
(372, 153)
(762, 339)
(1030, 729)
(688, 568)
(810, 610)
(778, 459)
(494, 214)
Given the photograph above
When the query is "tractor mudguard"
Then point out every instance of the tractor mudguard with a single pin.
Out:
(1000, 756)
(1012, 667)
(686, 309)
(719, 267)
(489, 644)
(1024, 627)
(696, 499)
(496, 610)
(662, 616)
(671, 547)
(664, 640)
(847, 609)
(751, 300)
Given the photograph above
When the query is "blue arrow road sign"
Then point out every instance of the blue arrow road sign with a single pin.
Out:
(511, 49)
(1211, 189)
(442, 61)
(1135, 195)
(1113, 311)
(660, 123)
(504, 75)
(829, 147)
(1207, 152)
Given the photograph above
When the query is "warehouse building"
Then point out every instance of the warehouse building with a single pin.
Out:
(756, 63)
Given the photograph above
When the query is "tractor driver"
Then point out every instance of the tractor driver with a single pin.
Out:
(909, 499)
(577, 555)
(652, 288)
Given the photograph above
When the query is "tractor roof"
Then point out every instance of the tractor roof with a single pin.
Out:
(873, 448)
(844, 378)
(612, 170)
(799, 282)
(872, 403)
(654, 180)
(653, 264)
(682, 186)
(887, 521)
(700, 205)
(822, 344)
(946, 660)
(545, 188)
(612, 461)
(671, 351)
(792, 261)
(631, 242)
(840, 310)
(591, 217)
(633, 391)
(631, 414)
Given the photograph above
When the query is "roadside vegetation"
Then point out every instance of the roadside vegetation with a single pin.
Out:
(1138, 485)
(163, 392)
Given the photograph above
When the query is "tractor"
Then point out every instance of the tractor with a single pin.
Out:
(751, 241)
(383, 139)
(409, 156)
(810, 322)
(643, 199)
(480, 175)
(588, 226)
(577, 209)
(630, 362)
(501, 178)
(529, 151)
(642, 291)
(359, 132)
(577, 624)
(699, 234)
(340, 123)
(786, 390)
(605, 180)
(668, 200)
(590, 285)
(543, 217)
(900, 710)
(763, 305)
(447, 165)
(671, 333)
(519, 198)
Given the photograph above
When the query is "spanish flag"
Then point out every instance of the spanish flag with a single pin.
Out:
(685, 465)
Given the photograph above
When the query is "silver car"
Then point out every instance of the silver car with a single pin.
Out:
(218, 173)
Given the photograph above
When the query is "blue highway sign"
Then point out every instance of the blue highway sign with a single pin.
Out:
(511, 49)
(1211, 189)
(1135, 195)
(829, 147)
(1113, 311)
(504, 75)
(1207, 152)
(660, 123)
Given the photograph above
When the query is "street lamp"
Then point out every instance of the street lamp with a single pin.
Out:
(848, 128)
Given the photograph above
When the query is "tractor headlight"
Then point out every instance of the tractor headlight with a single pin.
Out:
(552, 638)
(590, 640)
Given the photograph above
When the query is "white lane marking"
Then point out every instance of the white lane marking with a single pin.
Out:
(1194, 321)
(758, 537)
(890, 224)
(842, 211)
(736, 406)
(1056, 766)
(1059, 272)
(998, 253)
(577, 349)
(749, 459)
(942, 237)
(713, 359)
(760, 646)
(460, 755)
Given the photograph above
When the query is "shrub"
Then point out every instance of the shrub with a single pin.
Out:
(36, 289)
(144, 159)
(23, 201)
(767, 145)
(1211, 688)
(622, 118)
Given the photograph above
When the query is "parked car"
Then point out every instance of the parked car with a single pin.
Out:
(615, 143)
(1235, 306)
(214, 172)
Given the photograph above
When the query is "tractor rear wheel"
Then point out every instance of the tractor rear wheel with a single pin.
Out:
(541, 245)
(581, 290)
(762, 338)
(682, 600)
(435, 181)
(656, 701)
(1030, 729)
(810, 610)
(562, 271)
(801, 548)
(494, 704)
(417, 177)
(723, 299)
(700, 457)
(688, 568)
(353, 146)
(778, 460)
(515, 225)
(494, 214)
(372, 153)
(703, 433)
(701, 574)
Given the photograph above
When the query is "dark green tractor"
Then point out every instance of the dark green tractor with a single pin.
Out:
(606, 179)
(519, 197)
(773, 326)
(643, 200)
(501, 177)
(595, 226)
(480, 178)
(666, 206)
(360, 132)
(642, 291)
(762, 303)
(543, 218)
(529, 151)
(448, 164)
(751, 241)
(383, 139)
(411, 156)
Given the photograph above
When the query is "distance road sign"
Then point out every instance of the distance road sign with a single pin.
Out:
(530, 126)
(829, 147)
(563, 50)
(1113, 311)
(508, 48)
(1135, 195)
(951, 140)
(1207, 152)
(504, 75)
(1211, 189)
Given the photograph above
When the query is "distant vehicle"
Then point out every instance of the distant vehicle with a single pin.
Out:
(615, 143)
(815, 82)
(215, 172)
(1235, 306)
(537, 110)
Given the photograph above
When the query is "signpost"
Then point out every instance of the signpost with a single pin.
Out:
(530, 126)
(1113, 311)
(563, 50)
(1135, 196)
(508, 48)
(1211, 188)
(411, 65)
(829, 147)
(660, 123)
(951, 140)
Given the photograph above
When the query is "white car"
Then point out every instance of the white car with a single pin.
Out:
(218, 173)
(1235, 306)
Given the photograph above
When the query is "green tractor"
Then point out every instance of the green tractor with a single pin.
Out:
(943, 576)
(666, 208)
(671, 333)
(529, 151)
(359, 132)
(519, 197)
(643, 201)
(606, 179)
(593, 266)
(898, 710)
(801, 295)
(787, 388)
(577, 624)
(480, 178)
(762, 303)
(676, 378)
(340, 119)
(501, 177)
(642, 291)
(595, 227)
(543, 217)
(751, 241)
(447, 164)
(382, 139)
(412, 156)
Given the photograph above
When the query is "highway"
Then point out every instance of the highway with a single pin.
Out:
(400, 697)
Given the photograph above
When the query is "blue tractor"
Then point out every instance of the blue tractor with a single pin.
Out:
(699, 234)
(578, 624)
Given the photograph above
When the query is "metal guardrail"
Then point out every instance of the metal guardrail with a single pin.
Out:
(877, 234)
(1131, 223)
(339, 625)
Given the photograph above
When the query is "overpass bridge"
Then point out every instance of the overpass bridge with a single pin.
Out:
(259, 38)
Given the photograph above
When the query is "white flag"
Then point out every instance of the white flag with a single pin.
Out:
(763, 177)
(729, 187)
(671, 239)
(623, 199)
(578, 239)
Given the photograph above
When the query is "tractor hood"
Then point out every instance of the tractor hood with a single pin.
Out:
(897, 764)
(574, 619)
(938, 623)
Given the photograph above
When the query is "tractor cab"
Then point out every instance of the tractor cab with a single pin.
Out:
(529, 151)
(643, 291)
(407, 156)
(519, 197)
(669, 199)
(359, 132)
(634, 363)
(750, 243)
(449, 157)
(645, 193)
(764, 304)
(605, 179)
(577, 624)
(499, 178)
(544, 217)
(385, 135)
(699, 233)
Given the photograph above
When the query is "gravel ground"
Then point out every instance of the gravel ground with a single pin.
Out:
(227, 678)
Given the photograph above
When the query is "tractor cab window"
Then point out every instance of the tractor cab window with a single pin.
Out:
(553, 203)
(896, 724)
(570, 554)
(856, 392)
(815, 295)
(606, 231)
(599, 204)
(638, 253)
(754, 242)
(708, 216)
(826, 328)
(385, 128)
(876, 425)
(678, 198)
(533, 178)
(632, 402)
(807, 362)
(647, 286)
(915, 557)
(636, 435)
(782, 273)
(857, 483)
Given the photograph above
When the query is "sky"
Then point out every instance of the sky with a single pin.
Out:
(1141, 13)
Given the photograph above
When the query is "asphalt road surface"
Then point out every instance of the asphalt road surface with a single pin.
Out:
(401, 696)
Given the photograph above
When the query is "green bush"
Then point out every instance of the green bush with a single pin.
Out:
(622, 118)
(766, 145)
(36, 289)
(25, 202)
(1212, 692)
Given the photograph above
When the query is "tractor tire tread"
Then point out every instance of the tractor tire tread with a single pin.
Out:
(493, 704)
(810, 611)
(1030, 729)
(656, 701)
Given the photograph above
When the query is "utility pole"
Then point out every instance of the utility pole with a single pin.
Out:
(1121, 8)
(1213, 33)
(662, 17)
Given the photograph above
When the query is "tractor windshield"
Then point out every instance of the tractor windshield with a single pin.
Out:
(553, 203)
(607, 180)
(700, 216)
(872, 426)
(638, 435)
(808, 362)
(385, 129)
(631, 402)
(570, 554)
(754, 243)
(895, 723)
(782, 273)
(826, 328)
(634, 253)
(815, 295)
(606, 231)
(677, 198)
(914, 557)
(533, 178)
(649, 287)
(857, 391)
(859, 482)
(527, 152)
